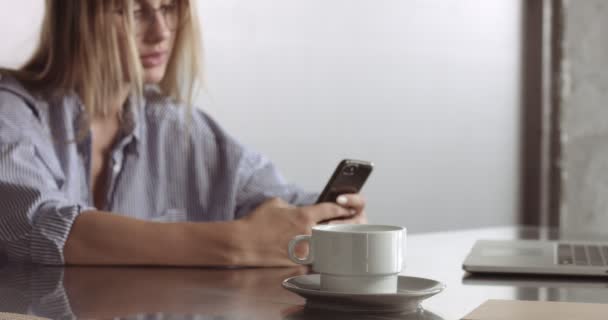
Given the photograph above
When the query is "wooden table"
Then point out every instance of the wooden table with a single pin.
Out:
(194, 293)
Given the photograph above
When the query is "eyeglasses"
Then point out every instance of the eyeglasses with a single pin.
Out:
(145, 16)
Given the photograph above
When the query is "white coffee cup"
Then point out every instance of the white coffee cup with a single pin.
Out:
(354, 258)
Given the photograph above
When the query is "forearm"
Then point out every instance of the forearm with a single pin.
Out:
(101, 238)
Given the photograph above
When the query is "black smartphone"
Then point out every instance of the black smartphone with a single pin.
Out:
(349, 177)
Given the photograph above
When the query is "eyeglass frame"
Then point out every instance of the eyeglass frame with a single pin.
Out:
(150, 17)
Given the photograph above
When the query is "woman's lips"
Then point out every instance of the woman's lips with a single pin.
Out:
(154, 59)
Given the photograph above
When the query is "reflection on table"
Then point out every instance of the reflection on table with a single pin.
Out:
(160, 293)
(256, 293)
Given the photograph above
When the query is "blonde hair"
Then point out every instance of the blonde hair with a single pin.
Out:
(82, 50)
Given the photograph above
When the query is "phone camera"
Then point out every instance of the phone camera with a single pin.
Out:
(349, 170)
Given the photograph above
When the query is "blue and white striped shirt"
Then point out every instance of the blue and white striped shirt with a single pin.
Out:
(163, 168)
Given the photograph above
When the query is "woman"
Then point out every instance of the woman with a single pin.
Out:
(101, 162)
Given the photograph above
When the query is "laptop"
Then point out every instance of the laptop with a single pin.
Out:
(535, 281)
(538, 257)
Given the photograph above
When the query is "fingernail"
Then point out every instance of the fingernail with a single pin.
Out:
(342, 200)
(353, 212)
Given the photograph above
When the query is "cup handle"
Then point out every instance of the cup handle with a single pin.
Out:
(292, 247)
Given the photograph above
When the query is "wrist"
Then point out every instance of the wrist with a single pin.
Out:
(216, 243)
(240, 255)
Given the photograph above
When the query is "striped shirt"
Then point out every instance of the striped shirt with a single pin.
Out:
(163, 167)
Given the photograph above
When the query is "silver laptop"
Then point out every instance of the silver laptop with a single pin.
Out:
(538, 257)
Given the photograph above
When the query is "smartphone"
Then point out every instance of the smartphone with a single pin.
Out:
(349, 177)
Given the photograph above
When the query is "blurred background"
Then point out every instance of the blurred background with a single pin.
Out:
(444, 96)
(427, 90)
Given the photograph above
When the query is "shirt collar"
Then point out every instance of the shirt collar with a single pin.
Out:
(133, 122)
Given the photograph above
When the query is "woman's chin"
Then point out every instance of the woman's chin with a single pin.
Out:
(153, 76)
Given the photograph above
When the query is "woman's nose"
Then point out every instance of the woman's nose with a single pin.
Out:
(158, 29)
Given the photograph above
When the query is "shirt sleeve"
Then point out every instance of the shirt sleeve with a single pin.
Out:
(251, 176)
(261, 180)
(35, 216)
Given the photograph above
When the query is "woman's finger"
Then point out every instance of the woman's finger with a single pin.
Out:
(354, 201)
(360, 218)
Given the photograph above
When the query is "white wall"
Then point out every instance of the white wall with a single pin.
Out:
(427, 89)
(19, 25)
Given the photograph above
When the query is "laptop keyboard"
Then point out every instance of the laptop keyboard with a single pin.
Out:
(582, 255)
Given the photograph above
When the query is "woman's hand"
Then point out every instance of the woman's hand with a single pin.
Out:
(356, 204)
(264, 234)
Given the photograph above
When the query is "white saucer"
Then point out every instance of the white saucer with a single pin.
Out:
(410, 293)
